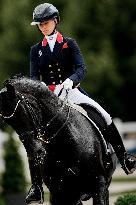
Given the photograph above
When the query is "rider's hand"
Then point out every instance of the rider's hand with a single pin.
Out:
(67, 84)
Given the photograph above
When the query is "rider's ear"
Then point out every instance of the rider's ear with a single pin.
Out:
(10, 90)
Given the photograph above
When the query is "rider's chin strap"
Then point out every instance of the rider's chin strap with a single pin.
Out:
(54, 31)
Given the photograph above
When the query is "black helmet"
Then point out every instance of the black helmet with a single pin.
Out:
(45, 12)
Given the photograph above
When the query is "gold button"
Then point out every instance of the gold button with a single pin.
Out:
(53, 83)
(60, 81)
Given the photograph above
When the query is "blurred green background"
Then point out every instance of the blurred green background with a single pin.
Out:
(105, 31)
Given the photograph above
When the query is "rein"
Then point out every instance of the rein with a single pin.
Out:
(40, 130)
(40, 134)
(10, 116)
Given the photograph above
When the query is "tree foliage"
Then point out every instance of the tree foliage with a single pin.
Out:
(105, 31)
(13, 180)
(127, 199)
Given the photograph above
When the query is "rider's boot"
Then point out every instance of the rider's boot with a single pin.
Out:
(113, 137)
(35, 193)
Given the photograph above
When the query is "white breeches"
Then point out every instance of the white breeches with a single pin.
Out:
(75, 96)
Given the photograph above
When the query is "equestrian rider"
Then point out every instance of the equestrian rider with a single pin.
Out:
(58, 62)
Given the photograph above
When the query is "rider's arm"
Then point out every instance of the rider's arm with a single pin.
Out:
(78, 61)
(34, 68)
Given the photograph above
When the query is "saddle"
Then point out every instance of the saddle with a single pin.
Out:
(93, 115)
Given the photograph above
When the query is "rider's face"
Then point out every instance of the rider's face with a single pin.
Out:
(47, 27)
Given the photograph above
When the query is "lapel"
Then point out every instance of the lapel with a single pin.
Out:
(57, 47)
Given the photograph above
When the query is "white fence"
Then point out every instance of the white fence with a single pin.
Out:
(126, 128)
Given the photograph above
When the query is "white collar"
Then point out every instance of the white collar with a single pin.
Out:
(52, 37)
(52, 40)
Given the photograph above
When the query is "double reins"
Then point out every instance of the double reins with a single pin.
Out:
(40, 129)
(41, 134)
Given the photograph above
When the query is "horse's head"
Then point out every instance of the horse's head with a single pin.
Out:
(14, 109)
(18, 110)
(23, 102)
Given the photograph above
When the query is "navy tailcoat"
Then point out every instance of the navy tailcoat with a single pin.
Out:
(66, 61)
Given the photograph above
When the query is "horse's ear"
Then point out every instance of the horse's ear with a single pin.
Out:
(10, 90)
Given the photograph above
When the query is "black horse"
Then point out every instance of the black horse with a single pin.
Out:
(67, 147)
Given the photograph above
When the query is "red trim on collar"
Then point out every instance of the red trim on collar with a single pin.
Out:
(59, 38)
(44, 42)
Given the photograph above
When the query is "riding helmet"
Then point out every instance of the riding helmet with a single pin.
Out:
(45, 12)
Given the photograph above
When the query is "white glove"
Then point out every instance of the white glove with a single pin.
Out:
(67, 84)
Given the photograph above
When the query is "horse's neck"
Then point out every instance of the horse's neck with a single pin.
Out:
(51, 108)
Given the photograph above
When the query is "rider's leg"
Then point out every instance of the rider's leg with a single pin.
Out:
(35, 194)
(112, 134)
(113, 137)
